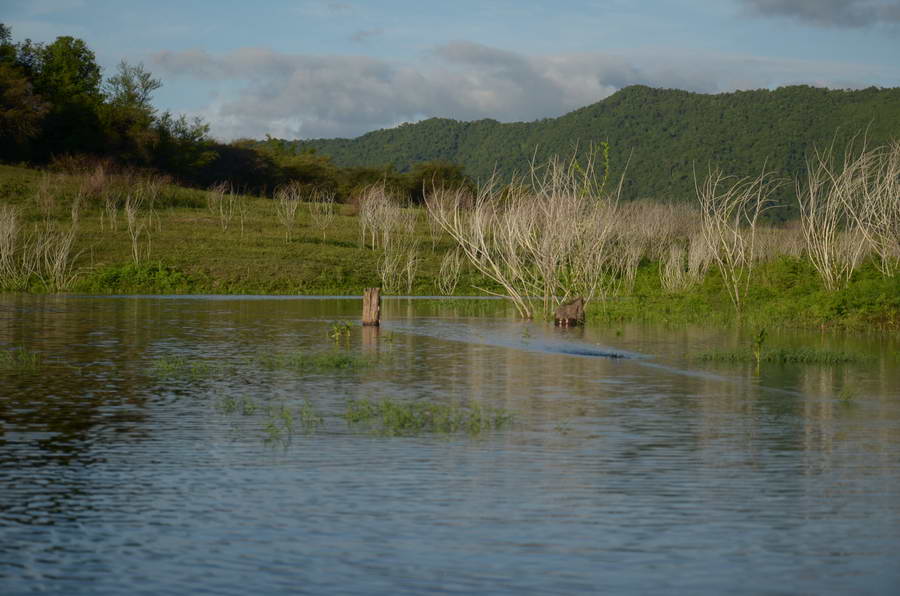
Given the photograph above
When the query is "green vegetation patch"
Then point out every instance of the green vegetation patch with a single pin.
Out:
(395, 418)
(783, 356)
(304, 362)
(19, 359)
(134, 278)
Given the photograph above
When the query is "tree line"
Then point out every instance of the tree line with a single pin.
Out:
(57, 108)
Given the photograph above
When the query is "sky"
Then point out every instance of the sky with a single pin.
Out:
(340, 68)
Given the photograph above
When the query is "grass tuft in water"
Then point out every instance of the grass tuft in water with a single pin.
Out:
(280, 425)
(245, 406)
(847, 396)
(310, 419)
(782, 356)
(339, 330)
(19, 359)
(395, 418)
(180, 367)
(318, 362)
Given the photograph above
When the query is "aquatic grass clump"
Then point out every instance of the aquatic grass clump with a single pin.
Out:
(310, 419)
(395, 418)
(19, 359)
(782, 356)
(243, 405)
(317, 362)
(181, 367)
(281, 423)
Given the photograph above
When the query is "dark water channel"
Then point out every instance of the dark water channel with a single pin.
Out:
(629, 467)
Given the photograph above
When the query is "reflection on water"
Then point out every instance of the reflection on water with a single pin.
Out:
(631, 467)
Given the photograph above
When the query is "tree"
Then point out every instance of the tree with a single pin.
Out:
(67, 71)
(7, 48)
(132, 87)
(429, 175)
(128, 115)
(66, 75)
(183, 148)
(21, 111)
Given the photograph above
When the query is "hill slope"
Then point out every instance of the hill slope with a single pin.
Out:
(664, 132)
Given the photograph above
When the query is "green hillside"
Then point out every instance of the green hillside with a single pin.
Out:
(664, 132)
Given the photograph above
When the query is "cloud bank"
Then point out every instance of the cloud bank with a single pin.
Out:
(830, 13)
(309, 96)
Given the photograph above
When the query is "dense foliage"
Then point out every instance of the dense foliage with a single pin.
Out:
(56, 108)
(661, 134)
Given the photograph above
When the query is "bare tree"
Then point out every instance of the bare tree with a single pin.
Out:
(730, 209)
(829, 204)
(322, 210)
(549, 238)
(287, 200)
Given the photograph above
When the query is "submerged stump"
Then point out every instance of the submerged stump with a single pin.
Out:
(371, 307)
(570, 314)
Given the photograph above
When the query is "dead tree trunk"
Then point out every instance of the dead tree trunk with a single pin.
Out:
(371, 307)
(570, 314)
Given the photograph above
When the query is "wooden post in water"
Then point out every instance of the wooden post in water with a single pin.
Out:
(371, 307)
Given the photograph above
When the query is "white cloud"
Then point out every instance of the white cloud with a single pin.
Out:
(309, 96)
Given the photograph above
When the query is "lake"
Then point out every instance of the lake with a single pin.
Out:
(167, 445)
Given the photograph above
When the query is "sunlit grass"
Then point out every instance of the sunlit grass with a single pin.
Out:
(396, 418)
(782, 356)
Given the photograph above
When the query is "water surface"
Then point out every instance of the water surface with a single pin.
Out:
(630, 466)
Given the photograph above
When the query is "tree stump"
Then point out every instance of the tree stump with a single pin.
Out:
(570, 314)
(371, 307)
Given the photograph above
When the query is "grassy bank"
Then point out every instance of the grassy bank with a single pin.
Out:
(784, 292)
(185, 245)
(131, 235)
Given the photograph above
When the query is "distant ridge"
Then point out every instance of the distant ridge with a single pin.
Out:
(665, 131)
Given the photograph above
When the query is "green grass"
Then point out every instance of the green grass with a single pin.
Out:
(246, 406)
(190, 253)
(782, 356)
(304, 362)
(282, 422)
(396, 418)
(785, 292)
(19, 360)
(186, 251)
(142, 278)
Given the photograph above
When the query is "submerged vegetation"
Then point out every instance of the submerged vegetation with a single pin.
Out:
(782, 356)
(19, 360)
(391, 417)
(299, 361)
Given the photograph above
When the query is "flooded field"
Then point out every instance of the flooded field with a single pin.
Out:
(230, 445)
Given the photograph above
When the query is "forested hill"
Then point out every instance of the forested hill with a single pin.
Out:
(665, 132)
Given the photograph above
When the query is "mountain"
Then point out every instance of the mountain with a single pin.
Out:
(662, 134)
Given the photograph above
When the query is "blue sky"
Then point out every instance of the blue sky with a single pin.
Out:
(327, 68)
